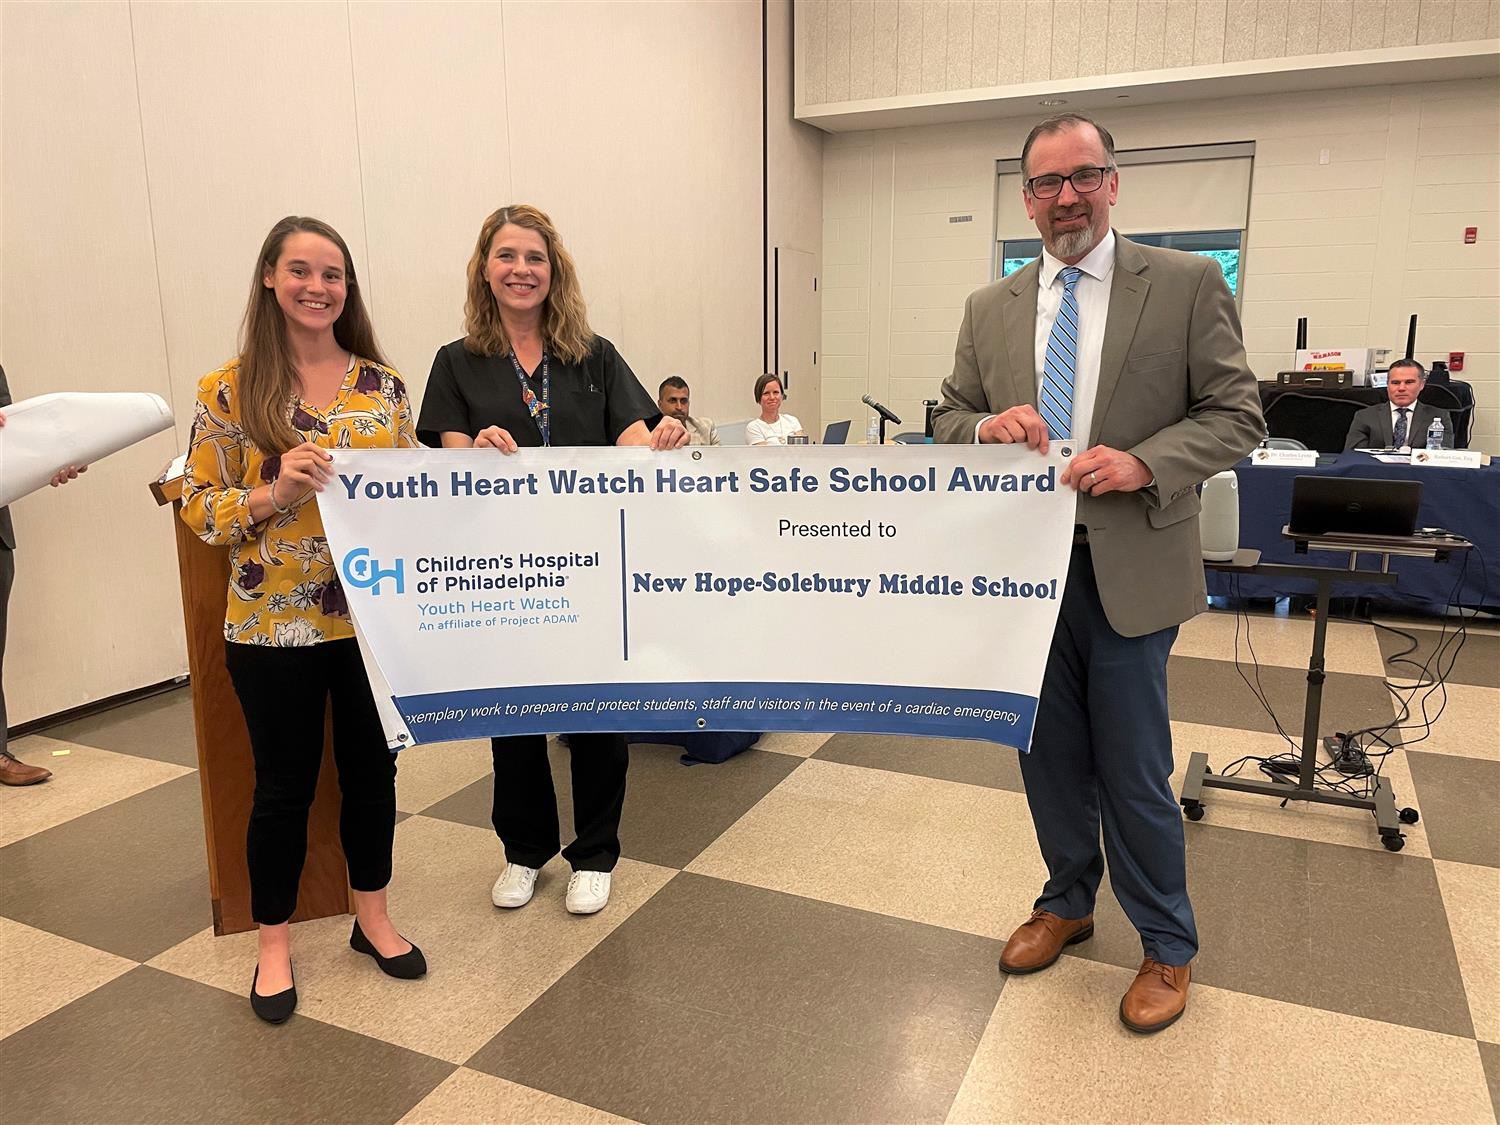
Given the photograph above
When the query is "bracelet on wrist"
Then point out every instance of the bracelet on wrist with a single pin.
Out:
(277, 508)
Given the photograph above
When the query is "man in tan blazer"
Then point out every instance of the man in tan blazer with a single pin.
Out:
(672, 400)
(1134, 353)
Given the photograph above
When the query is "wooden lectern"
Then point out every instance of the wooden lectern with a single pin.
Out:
(226, 769)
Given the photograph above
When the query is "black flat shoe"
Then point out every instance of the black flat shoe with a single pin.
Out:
(407, 966)
(273, 1009)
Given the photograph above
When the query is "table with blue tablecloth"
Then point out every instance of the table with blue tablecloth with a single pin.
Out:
(1464, 501)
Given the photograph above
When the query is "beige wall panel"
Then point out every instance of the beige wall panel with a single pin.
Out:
(95, 609)
(1450, 228)
(1270, 28)
(1301, 232)
(1038, 62)
(1401, 18)
(1150, 33)
(1210, 21)
(1120, 52)
(1093, 37)
(884, 68)
(430, 87)
(839, 26)
(1367, 29)
(1067, 18)
(813, 32)
(1179, 32)
(1462, 173)
(795, 213)
(1461, 141)
(1448, 112)
(960, 74)
(985, 67)
(1011, 41)
(1471, 19)
(1239, 30)
(1435, 21)
(951, 47)
(861, 49)
(1335, 21)
(934, 45)
(908, 46)
(1303, 28)
(248, 116)
(1340, 147)
(655, 187)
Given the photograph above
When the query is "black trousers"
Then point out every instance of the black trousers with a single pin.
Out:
(525, 808)
(284, 693)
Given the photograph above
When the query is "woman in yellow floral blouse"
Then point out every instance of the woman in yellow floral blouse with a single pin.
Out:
(309, 379)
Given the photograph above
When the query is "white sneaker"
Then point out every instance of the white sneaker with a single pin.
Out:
(514, 886)
(588, 892)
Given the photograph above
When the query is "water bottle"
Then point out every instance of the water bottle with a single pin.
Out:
(872, 431)
(1435, 434)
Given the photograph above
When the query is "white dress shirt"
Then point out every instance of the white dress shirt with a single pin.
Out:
(1092, 293)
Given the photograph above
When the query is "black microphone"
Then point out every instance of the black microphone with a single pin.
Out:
(884, 411)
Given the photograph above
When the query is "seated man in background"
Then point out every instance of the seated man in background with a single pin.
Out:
(1401, 421)
(672, 401)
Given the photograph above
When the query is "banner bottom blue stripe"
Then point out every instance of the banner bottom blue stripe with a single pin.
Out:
(991, 716)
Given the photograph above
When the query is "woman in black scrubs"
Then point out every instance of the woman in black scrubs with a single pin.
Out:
(530, 372)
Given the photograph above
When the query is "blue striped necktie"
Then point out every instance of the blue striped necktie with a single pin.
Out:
(1056, 398)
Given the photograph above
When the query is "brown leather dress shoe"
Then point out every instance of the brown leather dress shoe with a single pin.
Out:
(1040, 940)
(1157, 997)
(16, 772)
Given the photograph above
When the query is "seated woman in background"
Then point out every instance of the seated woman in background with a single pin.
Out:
(531, 372)
(309, 378)
(772, 427)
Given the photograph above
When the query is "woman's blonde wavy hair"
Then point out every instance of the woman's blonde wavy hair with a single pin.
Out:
(565, 322)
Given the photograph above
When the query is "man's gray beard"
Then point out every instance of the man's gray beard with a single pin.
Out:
(1073, 243)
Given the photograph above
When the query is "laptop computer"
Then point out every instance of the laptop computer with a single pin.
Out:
(837, 433)
(1324, 505)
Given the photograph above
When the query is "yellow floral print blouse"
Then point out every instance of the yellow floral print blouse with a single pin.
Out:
(283, 587)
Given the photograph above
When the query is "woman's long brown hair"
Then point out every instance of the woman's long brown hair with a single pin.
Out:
(565, 319)
(268, 380)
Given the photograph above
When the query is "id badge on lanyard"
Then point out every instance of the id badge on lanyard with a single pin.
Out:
(540, 409)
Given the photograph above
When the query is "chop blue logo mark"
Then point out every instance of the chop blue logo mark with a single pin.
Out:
(366, 573)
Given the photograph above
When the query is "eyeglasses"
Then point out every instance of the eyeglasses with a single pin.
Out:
(1084, 181)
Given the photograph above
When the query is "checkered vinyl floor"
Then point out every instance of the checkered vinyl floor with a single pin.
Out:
(807, 933)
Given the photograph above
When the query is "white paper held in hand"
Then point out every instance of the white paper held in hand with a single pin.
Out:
(49, 432)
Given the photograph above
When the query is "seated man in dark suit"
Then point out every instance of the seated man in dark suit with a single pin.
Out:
(1402, 420)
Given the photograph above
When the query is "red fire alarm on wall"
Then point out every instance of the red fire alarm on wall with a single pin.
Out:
(1471, 235)
(1455, 361)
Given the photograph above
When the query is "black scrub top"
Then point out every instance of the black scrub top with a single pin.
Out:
(593, 402)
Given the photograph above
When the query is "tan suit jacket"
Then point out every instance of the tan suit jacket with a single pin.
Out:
(1174, 389)
(701, 431)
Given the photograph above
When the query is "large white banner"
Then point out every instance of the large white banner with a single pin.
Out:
(905, 589)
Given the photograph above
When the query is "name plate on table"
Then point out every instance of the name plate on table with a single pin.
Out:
(1446, 458)
(908, 590)
(1300, 458)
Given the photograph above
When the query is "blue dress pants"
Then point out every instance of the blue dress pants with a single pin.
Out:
(1101, 758)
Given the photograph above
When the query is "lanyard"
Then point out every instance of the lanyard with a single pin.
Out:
(540, 410)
